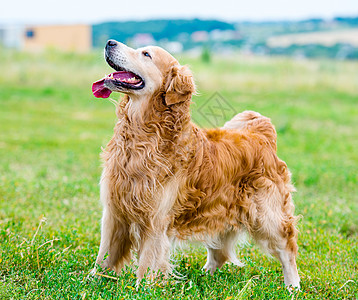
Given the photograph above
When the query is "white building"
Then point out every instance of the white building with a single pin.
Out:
(12, 36)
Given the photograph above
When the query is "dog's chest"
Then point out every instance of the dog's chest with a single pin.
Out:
(135, 165)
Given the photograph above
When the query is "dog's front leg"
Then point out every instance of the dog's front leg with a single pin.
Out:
(154, 247)
(115, 242)
(154, 255)
(115, 239)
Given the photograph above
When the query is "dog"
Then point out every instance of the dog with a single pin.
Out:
(164, 179)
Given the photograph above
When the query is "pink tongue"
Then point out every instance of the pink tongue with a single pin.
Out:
(99, 90)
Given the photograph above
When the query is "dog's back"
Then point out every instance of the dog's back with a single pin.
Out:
(254, 122)
(236, 162)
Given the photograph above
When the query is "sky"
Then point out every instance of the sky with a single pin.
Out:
(89, 11)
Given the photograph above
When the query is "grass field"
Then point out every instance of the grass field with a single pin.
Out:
(51, 133)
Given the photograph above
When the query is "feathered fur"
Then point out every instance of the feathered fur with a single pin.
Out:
(164, 179)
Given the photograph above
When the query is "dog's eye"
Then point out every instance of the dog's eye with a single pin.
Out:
(145, 53)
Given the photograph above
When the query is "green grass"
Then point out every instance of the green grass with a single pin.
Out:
(51, 132)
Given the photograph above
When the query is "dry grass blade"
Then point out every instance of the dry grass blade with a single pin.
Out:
(43, 220)
(246, 287)
(348, 281)
(106, 276)
(50, 241)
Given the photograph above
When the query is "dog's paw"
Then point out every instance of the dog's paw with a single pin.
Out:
(294, 288)
(210, 268)
(99, 271)
(93, 272)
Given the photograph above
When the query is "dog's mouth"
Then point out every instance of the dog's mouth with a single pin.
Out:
(116, 81)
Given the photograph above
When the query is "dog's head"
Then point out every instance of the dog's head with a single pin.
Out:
(143, 72)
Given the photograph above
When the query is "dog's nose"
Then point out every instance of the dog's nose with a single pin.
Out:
(111, 44)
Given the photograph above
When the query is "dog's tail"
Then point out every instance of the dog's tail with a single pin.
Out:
(254, 122)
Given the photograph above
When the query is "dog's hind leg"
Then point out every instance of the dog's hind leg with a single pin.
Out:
(275, 230)
(287, 257)
(221, 250)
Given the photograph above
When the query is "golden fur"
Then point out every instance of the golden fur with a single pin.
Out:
(165, 179)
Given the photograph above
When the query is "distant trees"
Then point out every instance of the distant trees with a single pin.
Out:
(159, 29)
(353, 21)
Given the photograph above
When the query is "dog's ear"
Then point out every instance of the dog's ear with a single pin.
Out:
(179, 85)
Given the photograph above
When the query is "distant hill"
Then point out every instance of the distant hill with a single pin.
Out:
(333, 38)
(326, 38)
(159, 29)
(260, 31)
(353, 21)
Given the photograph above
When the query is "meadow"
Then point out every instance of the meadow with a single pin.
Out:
(51, 133)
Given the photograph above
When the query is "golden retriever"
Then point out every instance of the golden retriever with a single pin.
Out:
(165, 179)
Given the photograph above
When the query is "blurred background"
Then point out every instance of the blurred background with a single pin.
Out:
(293, 61)
(299, 29)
